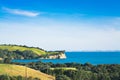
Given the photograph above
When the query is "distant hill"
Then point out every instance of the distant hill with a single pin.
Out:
(37, 51)
(25, 52)
(16, 70)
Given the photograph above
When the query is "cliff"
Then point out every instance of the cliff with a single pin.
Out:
(59, 56)
(55, 55)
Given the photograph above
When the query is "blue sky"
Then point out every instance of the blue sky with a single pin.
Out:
(72, 25)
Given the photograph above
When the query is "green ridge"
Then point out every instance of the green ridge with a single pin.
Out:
(22, 48)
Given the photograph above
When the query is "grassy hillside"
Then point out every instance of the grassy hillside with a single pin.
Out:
(16, 70)
(25, 52)
(22, 48)
(63, 68)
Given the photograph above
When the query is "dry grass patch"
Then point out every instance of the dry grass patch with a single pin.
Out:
(16, 70)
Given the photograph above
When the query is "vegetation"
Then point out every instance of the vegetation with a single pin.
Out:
(21, 48)
(24, 52)
(85, 71)
(63, 68)
(62, 77)
(8, 71)
(7, 77)
(66, 71)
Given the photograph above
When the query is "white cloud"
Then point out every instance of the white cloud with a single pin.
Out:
(21, 12)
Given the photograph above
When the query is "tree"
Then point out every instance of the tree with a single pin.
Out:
(20, 78)
(62, 77)
(7, 60)
(4, 77)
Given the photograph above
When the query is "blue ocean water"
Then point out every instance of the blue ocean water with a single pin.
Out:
(83, 57)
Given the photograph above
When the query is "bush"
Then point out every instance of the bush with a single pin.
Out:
(62, 77)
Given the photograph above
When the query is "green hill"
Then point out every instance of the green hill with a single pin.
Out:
(16, 70)
(25, 52)
(22, 48)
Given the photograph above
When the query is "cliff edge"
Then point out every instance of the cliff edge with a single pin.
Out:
(56, 55)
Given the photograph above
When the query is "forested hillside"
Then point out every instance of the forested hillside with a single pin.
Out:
(76, 71)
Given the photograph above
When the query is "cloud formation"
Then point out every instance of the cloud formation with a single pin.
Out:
(60, 35)
(21, 12)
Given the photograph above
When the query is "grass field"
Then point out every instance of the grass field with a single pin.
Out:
(16, 70)
(21, 48)
(64, 68)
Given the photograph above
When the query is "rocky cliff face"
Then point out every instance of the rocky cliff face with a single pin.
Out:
(55, 56)
(59, 56)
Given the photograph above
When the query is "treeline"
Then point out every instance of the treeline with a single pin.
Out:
(21, 46)
(27, 54)
(85, 71)
(8, 77)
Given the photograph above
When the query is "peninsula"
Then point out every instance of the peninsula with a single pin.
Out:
(25, 52)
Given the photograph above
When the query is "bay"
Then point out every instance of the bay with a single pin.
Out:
(83, 57)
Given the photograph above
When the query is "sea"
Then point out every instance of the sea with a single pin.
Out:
(83, 57)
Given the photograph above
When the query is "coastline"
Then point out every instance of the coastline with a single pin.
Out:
(57, 56)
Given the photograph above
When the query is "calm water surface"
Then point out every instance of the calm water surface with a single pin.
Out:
(83, 57)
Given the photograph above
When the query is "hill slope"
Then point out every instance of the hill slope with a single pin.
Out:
(22, 48)
(25, 52)
(16, 70)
